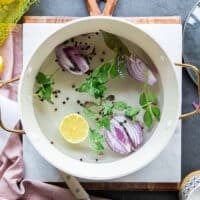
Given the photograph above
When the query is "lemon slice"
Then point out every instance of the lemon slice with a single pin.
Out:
(74, 128)
(1, 64)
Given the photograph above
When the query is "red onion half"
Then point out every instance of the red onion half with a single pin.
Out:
(72, 59)
(117, 138)
(134, 131)
(136, 69)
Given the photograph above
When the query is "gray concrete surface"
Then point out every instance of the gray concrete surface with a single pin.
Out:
(191, 126)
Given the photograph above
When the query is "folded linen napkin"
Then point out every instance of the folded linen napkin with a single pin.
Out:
(13, 186)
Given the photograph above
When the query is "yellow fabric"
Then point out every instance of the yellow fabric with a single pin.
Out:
(1, 64)
(10, 13)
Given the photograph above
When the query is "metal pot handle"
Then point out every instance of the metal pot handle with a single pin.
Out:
(197, 110)
(2, 84)
(197, 71)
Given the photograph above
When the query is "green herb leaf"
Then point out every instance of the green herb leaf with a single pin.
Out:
(114, 43)
(120, 105)
(148, 120)
(132, 111)
(156, 112)
(41, 78)
(152, 97)
(121, 63)
(95, 84)
(113, 71)
(107, 108)
(89, 113)
(143, 99)
(147, 101)
(96, 141)
(45, 89)
(104, 122)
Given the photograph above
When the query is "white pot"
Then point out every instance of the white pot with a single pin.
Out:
(125, 165)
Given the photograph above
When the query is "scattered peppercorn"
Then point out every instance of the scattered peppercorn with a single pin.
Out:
(51, 142)
(89, 37)
(87, 47)
(56, 60)
(97, 33)
(65, 42)
(81, 104)
(97, 160)
(110, 97)
(80, 43)
(63, 102)
(78, 112)
(121, 123)
(55, 109)
(97, 119)
(41, 99)
(56, 96)
(85, 43)
(63, 70)
(125, 121)
(67, 98)
(76, 89)
(102, 59)
(73, 86)
(103, 52)
(81, 159)
(78, 102)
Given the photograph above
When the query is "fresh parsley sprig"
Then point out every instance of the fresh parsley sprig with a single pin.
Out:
(45, 89)
(95, 84)
(96, 140)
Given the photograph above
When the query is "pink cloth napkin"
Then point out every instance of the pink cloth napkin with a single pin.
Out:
(13, 186)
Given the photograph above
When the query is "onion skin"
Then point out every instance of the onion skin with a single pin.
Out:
(136, 68)
(117, 138)
(71, 59)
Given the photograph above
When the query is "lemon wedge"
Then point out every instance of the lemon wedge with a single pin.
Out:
(1, 64)
(74, 128)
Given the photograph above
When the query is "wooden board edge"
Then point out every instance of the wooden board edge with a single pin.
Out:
(125, 186)
(136, 20)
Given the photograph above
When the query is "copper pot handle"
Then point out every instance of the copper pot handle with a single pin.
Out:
(197, 71)
(2, 84)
